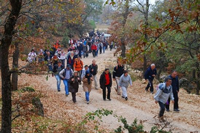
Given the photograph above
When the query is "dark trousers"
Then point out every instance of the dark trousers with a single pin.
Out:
(100, 50)
(104, 92)
(74, 97)
(175, 101)
(150, 84)
(94, 53)
(162, 109)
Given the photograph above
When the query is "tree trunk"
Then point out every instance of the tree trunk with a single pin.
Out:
(15, 66)
(146, 15)
(0, 56)
(5, 73)
(198, 83)
(123, 48)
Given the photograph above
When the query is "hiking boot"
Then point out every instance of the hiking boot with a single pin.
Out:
(126, 98)
(176, 110)
(161, 119)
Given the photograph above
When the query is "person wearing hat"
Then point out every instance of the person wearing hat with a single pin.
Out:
(87, 85)
(56, 69)
(65, 75)
(74, 85)
(124, 82)
(106, 82)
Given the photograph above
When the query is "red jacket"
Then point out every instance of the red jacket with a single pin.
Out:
(93, 47)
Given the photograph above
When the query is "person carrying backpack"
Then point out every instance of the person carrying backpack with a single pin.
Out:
(74, 85)
(164, 91)
(87, 85)
(78, 65)
(56, 69)
(65, 75)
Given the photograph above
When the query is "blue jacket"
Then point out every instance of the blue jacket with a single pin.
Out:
(148, 74)
(175, 84)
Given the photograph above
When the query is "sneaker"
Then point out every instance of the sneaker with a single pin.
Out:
(104, 99)
(146, 89)
(87, 102)
(176, 110)
(109, 99)
(151, 92)
(58, 90)
(126, 98)
(67, 95)
(123, 97)
(167, 110)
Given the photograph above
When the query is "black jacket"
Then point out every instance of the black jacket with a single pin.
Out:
(148, 74)
(175, 84)
(102, 80)
(118, 71)
(95, 69)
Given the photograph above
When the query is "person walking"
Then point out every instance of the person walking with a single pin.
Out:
(56, 69)
(78, 65)
(85, 69)
(93, 48)
(124, 82)
(175, 89)
(94, 70)
(163, 93)
(87, 85)
(32, 56)
(65, 75)
(48, 59)
(71, 58)
(74, 85)
(106, 82)
(117, 73)
(149, 75)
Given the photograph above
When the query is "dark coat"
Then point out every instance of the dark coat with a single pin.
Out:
(102, 80)
(148, 74)
(74, 85)
(71, 61)
(118, 71)
(175, 84)
(95, 69)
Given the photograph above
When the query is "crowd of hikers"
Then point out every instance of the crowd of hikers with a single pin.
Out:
(69, 68)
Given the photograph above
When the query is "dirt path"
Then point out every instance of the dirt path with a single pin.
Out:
(140, 104)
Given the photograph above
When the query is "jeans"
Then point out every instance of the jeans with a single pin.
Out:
(58, 81)
(150, 84)
(104, 49)
(63, 62)
(162, 109)
(66, 82)
(87, 96)
(50, 68)
(104, 92)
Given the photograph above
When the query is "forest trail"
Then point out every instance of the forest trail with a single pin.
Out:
(140, 104)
